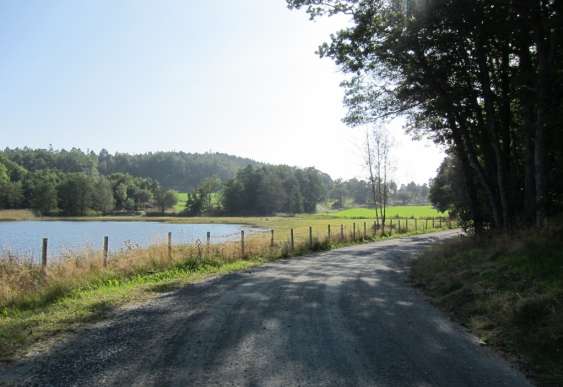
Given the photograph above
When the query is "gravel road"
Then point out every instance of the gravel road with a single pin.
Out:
(347, 317)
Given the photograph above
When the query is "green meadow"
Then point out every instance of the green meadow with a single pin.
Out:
(392, 212)
(181, 205)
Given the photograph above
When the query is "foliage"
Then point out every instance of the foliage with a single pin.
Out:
(165, 199)
(42, 191)
(77, 183)
(201, 200)
(482, 77)
(270, 189)
(359, 193)
(177, 170)
(75, 194)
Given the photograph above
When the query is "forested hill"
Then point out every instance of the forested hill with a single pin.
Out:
(178, 170)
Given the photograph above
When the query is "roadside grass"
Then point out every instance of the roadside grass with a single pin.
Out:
(35, 306)
(391, 212)
(60, 309)
(16, 215)
(508, 291)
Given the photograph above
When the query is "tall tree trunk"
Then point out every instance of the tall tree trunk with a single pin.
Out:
(543, 92)
(527, 102)
(462, 140)
(372, 177)
(491, 120)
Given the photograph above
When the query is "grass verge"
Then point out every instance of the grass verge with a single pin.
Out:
(25, 324)
(508, 291)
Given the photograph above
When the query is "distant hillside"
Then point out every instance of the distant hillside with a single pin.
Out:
(178, 170)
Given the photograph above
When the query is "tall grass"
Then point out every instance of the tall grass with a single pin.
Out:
(508, 289)
(16, 215)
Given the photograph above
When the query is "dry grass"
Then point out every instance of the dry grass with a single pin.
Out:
(16, 215)
(24, 284)
(508, 290)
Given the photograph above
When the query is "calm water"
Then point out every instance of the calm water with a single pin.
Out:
(23, 238)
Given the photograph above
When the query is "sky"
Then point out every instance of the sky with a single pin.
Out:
(233, 76)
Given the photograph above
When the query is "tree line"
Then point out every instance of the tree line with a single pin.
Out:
(358, 192)
(482, 77)
(74, 182)
(262, 190)
(68, 183)
(175, 170)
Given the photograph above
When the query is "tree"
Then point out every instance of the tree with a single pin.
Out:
(75, 194)
(165, 199)
(42, 191)
(11, 195)
(338, 194)
(447, 192)
(102, 195)
(482, 77)
(378, 162)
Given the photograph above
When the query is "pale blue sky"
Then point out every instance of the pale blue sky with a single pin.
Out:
(234, 76)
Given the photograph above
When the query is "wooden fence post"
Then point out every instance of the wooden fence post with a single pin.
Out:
(433, 224)
(440, 222)
(374, 228)
(310, 237)
(292, 240)
(425, 224)
(169, 245)
(391, 227)
(406, 224)
(341, 232)
(328, 233)
(365, 231)
(242, 243)
(415, 224)
(44, 256)
(354, 231)
(106, 248)
(208, 243)
(272, 238)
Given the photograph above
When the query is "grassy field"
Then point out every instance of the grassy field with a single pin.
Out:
(36, 306)
(181, 205)
(393, 211)
(508, 291)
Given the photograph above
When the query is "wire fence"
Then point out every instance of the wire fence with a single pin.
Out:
(258, 241)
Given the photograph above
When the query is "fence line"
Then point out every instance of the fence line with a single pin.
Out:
(291, 244)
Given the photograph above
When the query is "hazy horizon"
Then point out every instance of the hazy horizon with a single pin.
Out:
(238, 78)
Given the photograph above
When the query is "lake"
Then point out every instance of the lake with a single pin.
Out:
(24, 238)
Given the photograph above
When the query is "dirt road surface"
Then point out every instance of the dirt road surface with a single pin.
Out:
(347, 317)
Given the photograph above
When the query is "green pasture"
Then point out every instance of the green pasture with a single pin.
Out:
(394, 211)
(182, 198)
